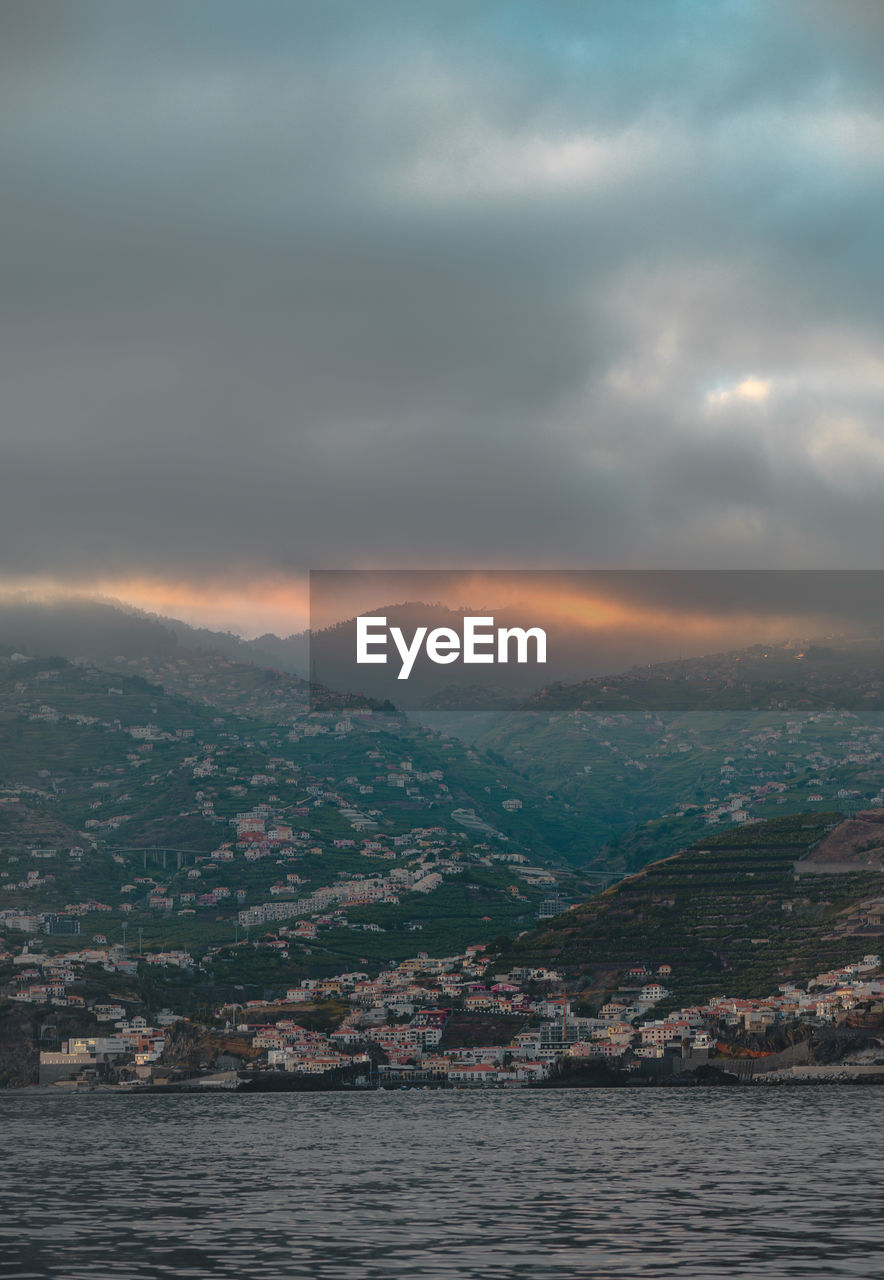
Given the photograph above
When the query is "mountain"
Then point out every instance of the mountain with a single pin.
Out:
(845, 673)
(651, 756)
(289, 654)
(73, 628)
(613, 782)
(106, 631)
(186, 797)
(736, 915)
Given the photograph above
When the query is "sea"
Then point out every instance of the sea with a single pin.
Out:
(595, 1184)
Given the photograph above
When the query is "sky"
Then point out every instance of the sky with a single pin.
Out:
(292, 285)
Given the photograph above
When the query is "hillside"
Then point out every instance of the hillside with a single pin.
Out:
(605, 787)
(686, 771)
(857, 844)
(730, 917)
(106, 632)
(135, 808)
(811, 675)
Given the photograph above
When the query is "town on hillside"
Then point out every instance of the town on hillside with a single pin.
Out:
(437, 1022)
(205, 878)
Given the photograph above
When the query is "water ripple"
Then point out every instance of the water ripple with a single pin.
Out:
(589, 1185)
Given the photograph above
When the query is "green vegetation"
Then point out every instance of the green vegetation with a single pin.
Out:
(729, 917)
(621, 770)
(98, 812)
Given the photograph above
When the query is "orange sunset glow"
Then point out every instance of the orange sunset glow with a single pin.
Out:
(252, 605)
(249, 606)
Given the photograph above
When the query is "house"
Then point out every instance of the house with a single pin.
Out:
(478, 1074)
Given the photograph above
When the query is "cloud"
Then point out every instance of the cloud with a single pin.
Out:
(291, 285)
(750, 388)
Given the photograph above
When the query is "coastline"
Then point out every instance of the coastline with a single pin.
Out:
(266, 1082)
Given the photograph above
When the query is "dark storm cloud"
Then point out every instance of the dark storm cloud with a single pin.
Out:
(291, 284)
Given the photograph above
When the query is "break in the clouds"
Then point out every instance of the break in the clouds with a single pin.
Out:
(291, 284)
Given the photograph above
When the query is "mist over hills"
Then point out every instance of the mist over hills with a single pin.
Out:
(102, 631)
(74, 628)
(640, 762)
(152, 740)
(843, 671)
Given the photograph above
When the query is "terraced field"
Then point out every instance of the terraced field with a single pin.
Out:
(728, 915)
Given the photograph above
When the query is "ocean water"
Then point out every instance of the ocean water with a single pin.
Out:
(594, 1184)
